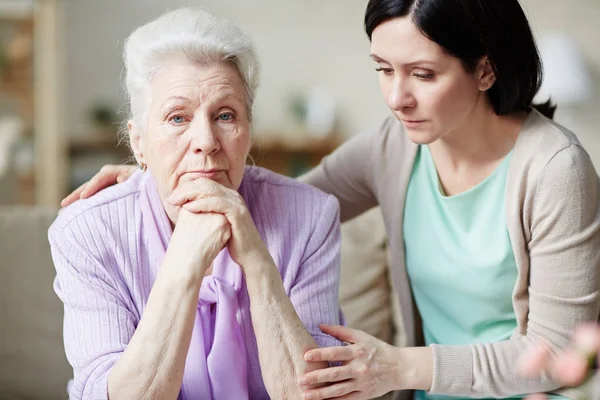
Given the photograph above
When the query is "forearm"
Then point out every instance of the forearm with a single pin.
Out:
(152, 365)
(280, 334)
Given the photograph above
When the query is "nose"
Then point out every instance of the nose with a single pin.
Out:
(400, 96)
(205, 138)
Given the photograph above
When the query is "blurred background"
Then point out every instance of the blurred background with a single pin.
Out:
(61, 105)
(61, 101)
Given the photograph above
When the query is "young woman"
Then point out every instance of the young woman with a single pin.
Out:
(492, 209)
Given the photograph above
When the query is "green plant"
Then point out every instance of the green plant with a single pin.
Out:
(102, 115)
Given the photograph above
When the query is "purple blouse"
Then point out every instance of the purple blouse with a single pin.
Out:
(105, 270)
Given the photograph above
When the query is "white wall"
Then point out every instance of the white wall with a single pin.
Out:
(301, 43)
(579, 19)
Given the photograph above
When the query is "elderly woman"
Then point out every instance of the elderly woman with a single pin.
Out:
(199, 277)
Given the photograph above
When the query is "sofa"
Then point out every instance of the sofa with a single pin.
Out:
(32, 359)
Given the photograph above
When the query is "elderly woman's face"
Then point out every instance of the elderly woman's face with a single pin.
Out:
(197, 126)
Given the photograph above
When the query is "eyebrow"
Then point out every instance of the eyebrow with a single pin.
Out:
(183, 99)
(178, 99)
(376, 58)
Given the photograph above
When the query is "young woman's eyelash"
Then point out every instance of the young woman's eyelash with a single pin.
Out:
(386, 70)
(423, 76)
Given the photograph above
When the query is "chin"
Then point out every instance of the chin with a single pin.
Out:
(420, 136)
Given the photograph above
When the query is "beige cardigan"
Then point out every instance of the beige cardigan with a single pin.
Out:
(553, 219)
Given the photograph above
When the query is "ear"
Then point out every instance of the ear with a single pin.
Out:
(486, 77)
(136, 141)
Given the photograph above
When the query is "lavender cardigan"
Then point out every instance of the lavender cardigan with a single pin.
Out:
(105, 274)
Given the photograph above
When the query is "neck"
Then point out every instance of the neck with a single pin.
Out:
(484, 137)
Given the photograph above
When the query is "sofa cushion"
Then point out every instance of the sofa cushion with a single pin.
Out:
(366, 297)
(32, 358)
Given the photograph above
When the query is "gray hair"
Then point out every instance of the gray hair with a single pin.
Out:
(190, 33)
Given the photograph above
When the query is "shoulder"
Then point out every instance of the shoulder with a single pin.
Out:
(100, 214)
(550, 170)
(544, 146)
(267, 193)
(261, 182)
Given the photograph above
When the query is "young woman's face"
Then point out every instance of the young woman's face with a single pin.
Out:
(427, 89)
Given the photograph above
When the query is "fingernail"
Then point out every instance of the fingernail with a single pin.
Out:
(308, 396)
(303, 381)
(309, 357)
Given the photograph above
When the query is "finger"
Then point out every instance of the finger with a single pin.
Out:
(193, 190)
(73, 196)
(331, 392)
(107, 176)
(340, 353)
(217, 205)
(122, 178)
(345, 334)
(354, 396)
(332, 374)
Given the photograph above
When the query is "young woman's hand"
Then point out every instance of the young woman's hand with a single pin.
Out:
(107, 176)
(369, 367)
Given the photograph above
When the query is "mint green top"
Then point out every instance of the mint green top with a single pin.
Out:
(459, 258)
(552, 206)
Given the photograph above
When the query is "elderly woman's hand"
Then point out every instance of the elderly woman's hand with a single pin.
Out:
(370, 367)
(199, 238)
(246, 247)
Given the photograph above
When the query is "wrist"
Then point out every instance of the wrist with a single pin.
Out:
(184, 270)
(415, 368)
(262, 277)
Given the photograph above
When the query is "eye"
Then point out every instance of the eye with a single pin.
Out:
(386, 71)
(177, 119)
(226, 117)
(423, 77)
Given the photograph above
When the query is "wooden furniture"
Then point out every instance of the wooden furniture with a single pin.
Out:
(31, 68)
(284, 157)
(16, 87)
(292, 158)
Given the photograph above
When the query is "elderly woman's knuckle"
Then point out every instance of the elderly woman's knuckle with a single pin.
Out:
(360, 352)
(335, 374)
(361, 369)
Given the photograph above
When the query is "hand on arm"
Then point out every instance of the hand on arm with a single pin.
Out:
(369, 367)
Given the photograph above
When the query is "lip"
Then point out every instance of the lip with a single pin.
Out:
(412, 123)
(209, 174)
